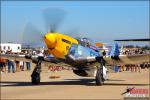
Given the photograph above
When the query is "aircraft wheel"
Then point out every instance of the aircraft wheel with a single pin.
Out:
(98, 78)
(35, 78)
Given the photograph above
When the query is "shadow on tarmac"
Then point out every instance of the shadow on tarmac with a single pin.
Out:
(86, 82)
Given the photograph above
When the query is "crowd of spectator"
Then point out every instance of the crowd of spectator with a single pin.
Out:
(10, 65)
(13, 65)
(133, 67)
(133, 51)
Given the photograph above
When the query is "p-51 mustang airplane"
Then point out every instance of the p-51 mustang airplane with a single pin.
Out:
(83, 58)
(86, 60)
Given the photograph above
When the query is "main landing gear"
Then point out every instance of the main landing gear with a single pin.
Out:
(99, 75)
(35, 76)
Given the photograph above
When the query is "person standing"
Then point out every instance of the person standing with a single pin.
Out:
(137, 68)
(17, 65)
(3, 62)
(28, 64)
(22, 65)
(4, 65)
(104, 53)
(11, 66)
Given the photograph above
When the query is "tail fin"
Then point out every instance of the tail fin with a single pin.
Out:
(115, 52)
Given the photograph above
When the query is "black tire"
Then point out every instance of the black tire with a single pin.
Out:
(98, 78)
(36, 79)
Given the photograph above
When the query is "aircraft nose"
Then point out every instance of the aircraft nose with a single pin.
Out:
(50, 40)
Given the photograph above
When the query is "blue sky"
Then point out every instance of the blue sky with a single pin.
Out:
(102, 21)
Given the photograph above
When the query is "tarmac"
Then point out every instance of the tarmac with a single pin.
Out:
(70, 86)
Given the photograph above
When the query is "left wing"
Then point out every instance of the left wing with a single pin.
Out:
(16, 57)
(29, 58)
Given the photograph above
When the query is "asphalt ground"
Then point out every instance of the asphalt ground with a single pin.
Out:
(70, 86)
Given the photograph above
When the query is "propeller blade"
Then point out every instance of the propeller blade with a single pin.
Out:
(73, 33)
(53, 17)
(31, 36)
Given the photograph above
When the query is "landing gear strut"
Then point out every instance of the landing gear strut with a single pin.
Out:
(99, 75)
(35, 76)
